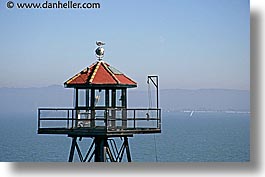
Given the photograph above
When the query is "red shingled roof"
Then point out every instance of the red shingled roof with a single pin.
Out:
(100, 74)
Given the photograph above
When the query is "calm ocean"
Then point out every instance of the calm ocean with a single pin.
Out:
(204, 137)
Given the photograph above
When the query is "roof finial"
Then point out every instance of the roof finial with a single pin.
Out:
(100, 51)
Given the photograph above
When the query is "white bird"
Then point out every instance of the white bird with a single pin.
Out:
(100, 43)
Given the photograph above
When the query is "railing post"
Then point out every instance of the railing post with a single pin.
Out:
(157, 116)
(106, 118)
(72, 118)
(124, 117)
(68, 118)
(159, 119)
(134, 118)
(38, 118)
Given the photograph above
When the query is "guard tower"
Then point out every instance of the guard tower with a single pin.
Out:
(100, 113)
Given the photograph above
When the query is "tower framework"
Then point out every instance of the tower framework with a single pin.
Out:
(100, 113)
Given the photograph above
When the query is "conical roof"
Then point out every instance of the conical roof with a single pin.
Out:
(100, 74)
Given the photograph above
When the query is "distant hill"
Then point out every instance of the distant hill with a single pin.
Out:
(202, 99)
(27, 100)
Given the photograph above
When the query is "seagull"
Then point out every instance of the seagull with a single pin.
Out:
(100, 43)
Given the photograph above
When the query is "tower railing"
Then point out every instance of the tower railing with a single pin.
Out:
(108, 119)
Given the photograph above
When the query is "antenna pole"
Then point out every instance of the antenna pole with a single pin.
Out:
(155, 83)
(157, 106)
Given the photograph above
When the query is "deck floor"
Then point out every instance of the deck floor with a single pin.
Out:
(98, 131)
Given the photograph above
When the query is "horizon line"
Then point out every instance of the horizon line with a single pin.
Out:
(191, 89)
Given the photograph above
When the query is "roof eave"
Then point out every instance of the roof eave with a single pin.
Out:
(100, 85)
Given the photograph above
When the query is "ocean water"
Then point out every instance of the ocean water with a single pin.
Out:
(204, 137)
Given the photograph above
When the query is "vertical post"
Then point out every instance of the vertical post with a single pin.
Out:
(72, 118)
(124, 98)
(38, 118)
(87, 98)
(107, 106)
(113, 98)
(76, 98)
(68, 117)
(107, 98)
(76, 106)
(159, 119)
(124, 106)
(157, 104)
(113, 105)
(92, 103)
(100, 149)
(134, 119)
(87, 106)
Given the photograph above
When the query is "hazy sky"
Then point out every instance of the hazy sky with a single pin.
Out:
(190, 44)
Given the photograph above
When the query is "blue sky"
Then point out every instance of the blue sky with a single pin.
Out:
(190, 44)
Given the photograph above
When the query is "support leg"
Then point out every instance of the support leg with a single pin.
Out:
(100, 149)
(72, 150)
(127, 149)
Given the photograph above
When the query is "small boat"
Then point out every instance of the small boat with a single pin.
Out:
(191, 113)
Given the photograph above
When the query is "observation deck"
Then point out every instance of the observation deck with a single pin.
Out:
(103, 121)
